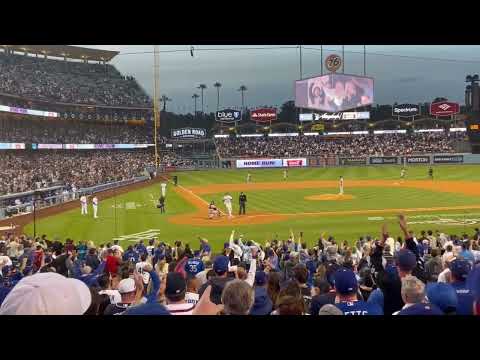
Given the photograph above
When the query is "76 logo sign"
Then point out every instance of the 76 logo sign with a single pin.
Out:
(333, 62)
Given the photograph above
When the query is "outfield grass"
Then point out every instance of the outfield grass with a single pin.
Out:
(135, 211)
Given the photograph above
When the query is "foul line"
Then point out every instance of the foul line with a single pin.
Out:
(190, 192)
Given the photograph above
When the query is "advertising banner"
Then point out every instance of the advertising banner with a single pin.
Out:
(353, 161)
(104, 146)
(383, 160)
(50, 146)
(188, 133)
(444, 108)
(364, 115)
(417, 159)
(447, 159)
(405, 110)
(259, 163)
(12, 146)
(228, 115)
(263, 115)
(295, 162)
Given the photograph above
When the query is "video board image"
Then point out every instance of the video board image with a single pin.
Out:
(334, 92)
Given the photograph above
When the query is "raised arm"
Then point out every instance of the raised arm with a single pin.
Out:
(251, 272)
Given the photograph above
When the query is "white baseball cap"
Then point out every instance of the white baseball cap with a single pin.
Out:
(47, 294)
(126, 286)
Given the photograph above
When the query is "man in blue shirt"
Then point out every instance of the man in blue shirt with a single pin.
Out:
(460, 268)
(194, 265)
(466, 253)
(346, 287)
(131, 255)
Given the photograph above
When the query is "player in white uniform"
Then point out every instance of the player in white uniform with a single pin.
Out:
(83, 202)
(95, 206)
(249, 177)
(164, 189)
(285, 174)
(227, 200)
(341, 185)
(402, 174)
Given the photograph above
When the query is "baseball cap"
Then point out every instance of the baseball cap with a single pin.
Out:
(442, 295)
(260, 278)
(460, 268)
(220, 264)
(405, 260)
(345, 281)
(126, 286)
(175, 284)
(47, 294)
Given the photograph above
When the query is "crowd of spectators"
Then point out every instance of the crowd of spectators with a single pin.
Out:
(430, 273)
(24, 171)
(68, 82)
(359, 145)
(41, 131)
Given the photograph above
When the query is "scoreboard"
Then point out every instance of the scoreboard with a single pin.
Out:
(473, 130)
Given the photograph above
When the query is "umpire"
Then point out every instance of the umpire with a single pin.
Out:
(242, 199)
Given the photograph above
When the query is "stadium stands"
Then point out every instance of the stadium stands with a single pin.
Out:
(385, 144)
(68, 82)
(424, 274)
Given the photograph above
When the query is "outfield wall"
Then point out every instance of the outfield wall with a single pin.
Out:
(329, 161)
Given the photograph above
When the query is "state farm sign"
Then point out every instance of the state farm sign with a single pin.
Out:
(444, 108)
(263, 115)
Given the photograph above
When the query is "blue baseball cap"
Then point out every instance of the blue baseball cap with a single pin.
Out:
(260, 278)
(460, 268)
(442, 295)
(405, 260)
(220, 264)
(345, 281)
(196, 253)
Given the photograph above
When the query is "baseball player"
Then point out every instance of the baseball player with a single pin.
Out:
(430, 173)
(83, 203)
(164, 189)
(227, 200)
(249, 177)
(402, 173)
(285, 174)
(341, 185)
(95, 206)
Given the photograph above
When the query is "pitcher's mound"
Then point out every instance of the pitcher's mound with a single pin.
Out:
(330, 197)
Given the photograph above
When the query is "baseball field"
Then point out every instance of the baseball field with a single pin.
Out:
(307, 201)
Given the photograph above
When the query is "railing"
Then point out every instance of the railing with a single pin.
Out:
(60, 196)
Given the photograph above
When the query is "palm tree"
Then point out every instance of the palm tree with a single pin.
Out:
(218, 86)
(202, 87)
(164, 99)
(243, 88)
(195, 97)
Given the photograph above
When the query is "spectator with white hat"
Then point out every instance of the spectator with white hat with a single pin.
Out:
(47, 294)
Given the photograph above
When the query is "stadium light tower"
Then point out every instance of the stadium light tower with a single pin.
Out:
(472, 91)
(156, 99)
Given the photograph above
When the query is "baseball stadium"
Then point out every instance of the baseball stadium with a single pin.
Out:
(313, 206)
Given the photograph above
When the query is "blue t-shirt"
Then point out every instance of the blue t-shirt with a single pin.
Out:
(376, 297)
(359, 307)
(421, 309)
(194, 266)
(467, 255)
(465, 298)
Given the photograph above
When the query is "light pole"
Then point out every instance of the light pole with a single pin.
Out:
(218, 86)
(202, 87)
(195, 97)
(242, 89)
